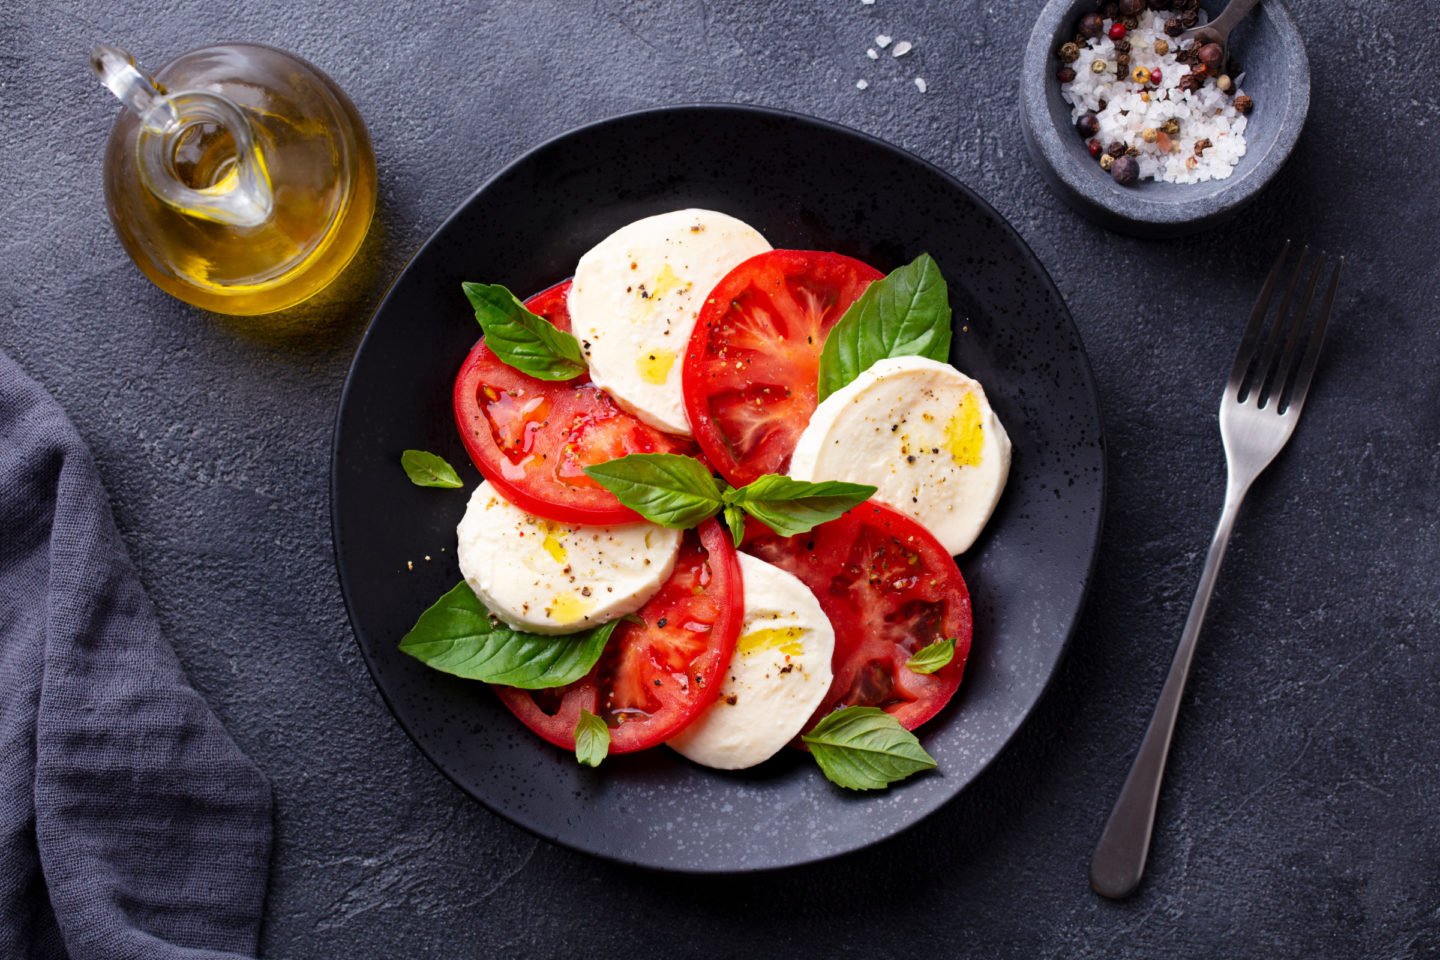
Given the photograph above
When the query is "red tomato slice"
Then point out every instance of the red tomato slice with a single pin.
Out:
(889, 589)
(753, 362)
(533, 438)
(655, 677)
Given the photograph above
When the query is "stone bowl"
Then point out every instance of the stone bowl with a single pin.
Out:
(1277, 74)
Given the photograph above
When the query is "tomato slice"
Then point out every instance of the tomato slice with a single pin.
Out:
(534, 438)
(753, 361)
(658, 675)
(889, 589)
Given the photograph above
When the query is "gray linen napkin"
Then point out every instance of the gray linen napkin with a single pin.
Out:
(131, 826)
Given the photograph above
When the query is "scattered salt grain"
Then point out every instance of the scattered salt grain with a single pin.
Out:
(867, 3)
(872, 54)
(862, 84)
(920, 84)
(882, 41)
(902, 48)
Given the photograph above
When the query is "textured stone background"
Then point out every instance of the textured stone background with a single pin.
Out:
(1300, 814)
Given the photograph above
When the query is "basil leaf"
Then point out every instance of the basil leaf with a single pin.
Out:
(429, 470)
(458, 635)
(864, 748)
(905, 314)
(934, 657)
(796, 506)
(735, 520)
(529, 343)
(592, 739)
(665, 488)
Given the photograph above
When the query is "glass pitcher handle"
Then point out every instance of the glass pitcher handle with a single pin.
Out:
(241, 198)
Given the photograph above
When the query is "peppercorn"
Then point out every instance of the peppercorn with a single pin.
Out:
(1125, 170)
(1117, 31)
(1156, 76)
(1131, 8)
(1097, 66)
(1106, 161)
(1069, 53)
(1094, 147)
(1092, 25)
(1144, 96)
(1202, 145)
(1211, 54)
(1141, 75)
(1065, 75)
(1173, 28)
(1122, 46)
(1132, 151)
(1191, 82)
(1171, 127)
(1189, 18)
(1224, 83)
(1122, 65)
(1161, 48)
(1110, 11)
(1115, 148)
(1088, 124)
(1244, 103)
(1131, 23)
(1149, 134)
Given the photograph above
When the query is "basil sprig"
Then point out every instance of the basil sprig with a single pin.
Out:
(864, 748)
(679, 492)
(935, 656)
(592, 739)
(529, 343)
(665, 488)
(427, 469)
(459, 636)
(905, 314)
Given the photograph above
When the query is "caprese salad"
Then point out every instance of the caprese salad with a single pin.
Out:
(723, 490)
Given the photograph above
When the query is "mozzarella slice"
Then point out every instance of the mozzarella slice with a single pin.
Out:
(547, 577)
(635, 299)
(922, 433)
(778, 675)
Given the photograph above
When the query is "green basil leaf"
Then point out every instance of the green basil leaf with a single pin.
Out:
(735, 520)
(905, 314)
(796, 506)
(864, 748)
(529, 343)
(934, 657)
(429, 470)
(458, 635)
(665, 488)
(592, 739)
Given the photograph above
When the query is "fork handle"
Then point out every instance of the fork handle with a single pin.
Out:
(1120, 855)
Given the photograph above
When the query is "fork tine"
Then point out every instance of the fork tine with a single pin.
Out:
(1260, 376)
(1251, 340)
(1301, 385)
(1294, 341)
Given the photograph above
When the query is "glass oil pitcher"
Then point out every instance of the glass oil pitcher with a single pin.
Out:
(239, 178)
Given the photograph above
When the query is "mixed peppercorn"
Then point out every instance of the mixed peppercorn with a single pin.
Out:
(1207, 62)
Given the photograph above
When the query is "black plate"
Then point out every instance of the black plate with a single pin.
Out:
(804, 184)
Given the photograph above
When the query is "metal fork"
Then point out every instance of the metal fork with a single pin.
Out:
(1258, 411)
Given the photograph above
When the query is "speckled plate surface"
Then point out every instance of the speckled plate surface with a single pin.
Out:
(804, 184)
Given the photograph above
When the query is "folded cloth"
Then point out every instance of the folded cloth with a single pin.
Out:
(131, 826)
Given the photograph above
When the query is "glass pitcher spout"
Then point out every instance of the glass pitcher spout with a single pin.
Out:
(196, 150)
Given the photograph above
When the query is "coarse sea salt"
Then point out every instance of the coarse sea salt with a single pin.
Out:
(1204, 114)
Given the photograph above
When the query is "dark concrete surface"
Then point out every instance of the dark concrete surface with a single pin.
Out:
(1300, 815)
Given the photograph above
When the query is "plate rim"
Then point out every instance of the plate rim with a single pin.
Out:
(789, 116)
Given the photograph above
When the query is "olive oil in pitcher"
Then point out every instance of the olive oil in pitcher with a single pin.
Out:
(239, 178)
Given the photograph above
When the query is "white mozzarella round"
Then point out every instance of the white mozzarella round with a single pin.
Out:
(547, 577)
(923, 434)
(635, 299)
(778, 675)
